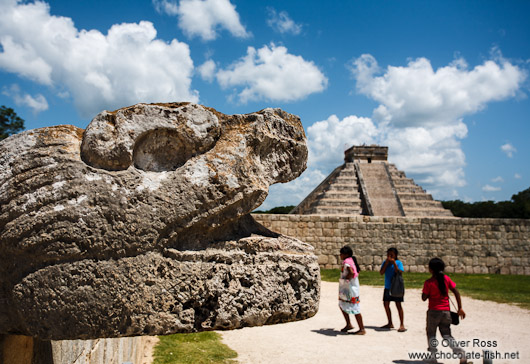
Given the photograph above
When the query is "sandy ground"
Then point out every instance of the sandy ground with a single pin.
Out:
(319, 340)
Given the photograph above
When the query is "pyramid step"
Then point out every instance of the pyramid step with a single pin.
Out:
(336, 202)
(375, 191)
(376, 183)
(341, 195)
(375, 177)
(421, 204)
(347, 173)
(427, 212)
(409, 189)
(345, 179)
(343, 187)
(397, 174)
(414, 196)
(330, 210)
(384, 207)
(403, 181)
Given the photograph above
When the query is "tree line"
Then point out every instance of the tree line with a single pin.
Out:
(517, 208)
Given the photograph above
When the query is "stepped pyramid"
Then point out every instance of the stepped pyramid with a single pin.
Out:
(366, 184)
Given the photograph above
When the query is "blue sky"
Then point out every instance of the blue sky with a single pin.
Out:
(444, 84)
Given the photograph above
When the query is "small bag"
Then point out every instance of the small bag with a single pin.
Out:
(397, 287)
(455, 319)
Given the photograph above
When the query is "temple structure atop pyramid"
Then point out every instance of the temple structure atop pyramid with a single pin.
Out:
(366, 184)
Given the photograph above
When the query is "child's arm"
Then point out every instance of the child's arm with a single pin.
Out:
(396, 267)
(461, 312)
(425, 292)
(383, 268)
(350, 273)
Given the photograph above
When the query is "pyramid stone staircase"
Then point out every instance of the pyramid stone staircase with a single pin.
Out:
(366, 184)
(337, 195)
(414, 200)
(380, 190)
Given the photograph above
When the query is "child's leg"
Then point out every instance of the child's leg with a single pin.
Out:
(445, 330)
(433, 319)
(359, 319)
(401, 317)
(389, 325)
(348, 322)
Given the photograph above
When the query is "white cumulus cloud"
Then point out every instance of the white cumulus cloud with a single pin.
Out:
(166, 7)
(508, 149)
(497, 179)
(488, 188)
(292, 193)
(207, 70)
(419, 95)
(36, 103)
(100, 71)
(421, 110)
(282, 23)
(419, 117)
(517, 176)
(433, 155)
(328, 139)
(271, 73)
(204, 18)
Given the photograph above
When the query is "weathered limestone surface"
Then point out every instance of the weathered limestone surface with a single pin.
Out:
(466, 245)
(139, 225)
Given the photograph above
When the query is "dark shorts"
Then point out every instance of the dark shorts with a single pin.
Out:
(388, 297)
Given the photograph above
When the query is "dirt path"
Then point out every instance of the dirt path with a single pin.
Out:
(318, 339)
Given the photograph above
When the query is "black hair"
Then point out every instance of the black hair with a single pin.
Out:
(356, 264)
(346, 250)
(437, 266)
(394, 250)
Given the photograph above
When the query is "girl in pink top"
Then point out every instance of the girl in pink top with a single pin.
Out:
(436, 290)
(349, 290)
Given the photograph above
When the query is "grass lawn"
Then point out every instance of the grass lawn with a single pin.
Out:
(197, 348)
(502, 288)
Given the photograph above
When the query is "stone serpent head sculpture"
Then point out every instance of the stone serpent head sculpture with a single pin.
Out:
(140, 225)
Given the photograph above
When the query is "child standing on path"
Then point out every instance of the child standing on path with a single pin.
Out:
(436, 289)
(390, 267)
(349, 290)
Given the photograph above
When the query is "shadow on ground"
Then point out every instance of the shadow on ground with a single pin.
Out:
(377, 328)
(329, 332)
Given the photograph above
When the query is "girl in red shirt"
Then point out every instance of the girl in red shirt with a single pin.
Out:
(436, 289)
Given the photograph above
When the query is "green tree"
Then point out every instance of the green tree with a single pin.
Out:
(517, 208)
(521, 204)
(10, 123)
(277, 210)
